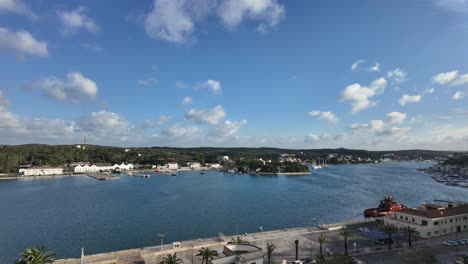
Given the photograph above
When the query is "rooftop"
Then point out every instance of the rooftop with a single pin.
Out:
(437, 211)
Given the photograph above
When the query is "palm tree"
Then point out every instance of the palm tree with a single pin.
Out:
(321, 240)
(207, 254)
(37, 255)
(463, 259)
(239, 241)
(345, 233)
(389, 230)
(171, 259)
(409, 231)
(270, 249)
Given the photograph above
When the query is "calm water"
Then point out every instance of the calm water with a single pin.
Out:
(71, 212)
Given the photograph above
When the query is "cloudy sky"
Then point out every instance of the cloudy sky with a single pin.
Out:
(294, 74)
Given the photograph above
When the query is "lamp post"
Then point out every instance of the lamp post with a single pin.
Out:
(191, 244)
(261, 236)
(162, 236)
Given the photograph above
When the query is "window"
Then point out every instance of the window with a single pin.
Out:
(428, 234)
(451, 220)
(436, 222)
(444, 231)
(464, 218)
(464, 227)
(412, 220)
(406, 218)
(424, 222)
(436, 233)
(401, 217)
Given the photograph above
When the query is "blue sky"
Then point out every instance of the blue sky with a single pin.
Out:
(292, 74)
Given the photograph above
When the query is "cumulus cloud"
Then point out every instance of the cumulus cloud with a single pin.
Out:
(356, 65)
(147, 82)
(181, 131)
(206, 116)
(360, 96)
(458, 96)
(445, 77)
(324, 139)
(186, 101)
(76, 87)
(175, 20)
(74, 20)
(327, 116)
(227, 128)
(268, 12)
(373, 125)
(397, 76)
(463, 79)
(22, 42)
(156, 121)
(410, 99)
(396, 117)
(392, 131)
(213, 85)
(375, 68)
(104, 125)
(17, 7)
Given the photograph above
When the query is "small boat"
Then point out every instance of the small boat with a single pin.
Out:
(145, 176)
(202, 172)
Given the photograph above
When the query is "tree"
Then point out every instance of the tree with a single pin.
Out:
(389, 230)
(207, 254)
(171, 259)
(270, 249)
(37, 255)
(239, 241)
(409, 231)
(321, 240)
(345, 233)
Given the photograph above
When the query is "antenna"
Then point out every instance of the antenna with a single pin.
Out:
(84, 142)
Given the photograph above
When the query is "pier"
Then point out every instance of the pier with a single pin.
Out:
(103, 176)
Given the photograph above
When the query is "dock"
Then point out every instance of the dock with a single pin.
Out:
(103, 176)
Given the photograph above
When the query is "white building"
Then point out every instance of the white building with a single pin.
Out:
(38, 171)
(432, 220)
(213, 165)
(172, 166)
(98, 167)
(194, 165)
(123, 166)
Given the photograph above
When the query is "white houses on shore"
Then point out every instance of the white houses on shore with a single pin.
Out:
(194, 165)
(98, 167)
(41, 171)
(432, 220)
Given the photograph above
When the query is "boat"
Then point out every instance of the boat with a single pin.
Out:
(386, 207)
(145, 176)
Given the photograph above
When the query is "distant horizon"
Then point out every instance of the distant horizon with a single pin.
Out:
(239, 147)
(276, 73)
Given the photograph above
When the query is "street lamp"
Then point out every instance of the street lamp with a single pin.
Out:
(162, 236)
(261, 236)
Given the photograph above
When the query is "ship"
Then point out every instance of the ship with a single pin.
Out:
(386, 207)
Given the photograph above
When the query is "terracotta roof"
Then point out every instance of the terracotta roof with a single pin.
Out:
(437, 213)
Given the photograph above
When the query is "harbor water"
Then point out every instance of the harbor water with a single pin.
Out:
(67, 213)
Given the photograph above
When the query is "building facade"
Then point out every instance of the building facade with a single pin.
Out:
(432, 220)
(39, 171)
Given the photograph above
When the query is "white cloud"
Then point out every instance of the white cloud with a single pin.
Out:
(324, 139)
(76, 87)
(75, 20)
(463, 79)
(17, 7)
(375, 68)
(175, 20)
(156, 121)
(396, 117)
(445, 77)
(373, 125)
(180, 131)
(227, 128)
(458, 96)
(397, 76)
(328, 116)
(207, 116)
(105, 124)
(213, 85)
(170, 20)
(392, 131)
(186, 101)
(452, 5)
(22, 42)
(360, 96)
(3, 100)
(356, 65)
(268, 12)
(410, 99)
(147, 82)
(429, 91)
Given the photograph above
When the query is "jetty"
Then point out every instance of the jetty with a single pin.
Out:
(103, 176)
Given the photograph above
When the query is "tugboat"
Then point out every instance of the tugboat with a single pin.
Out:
(386, 206)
